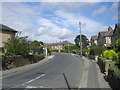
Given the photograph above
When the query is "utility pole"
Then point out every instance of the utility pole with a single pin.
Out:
(68, 48)
(80, 40)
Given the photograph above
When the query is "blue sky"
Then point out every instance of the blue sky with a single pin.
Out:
(58, 21)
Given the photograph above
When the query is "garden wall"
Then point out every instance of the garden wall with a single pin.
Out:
(17, 61)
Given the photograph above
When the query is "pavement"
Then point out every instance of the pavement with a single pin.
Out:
(92, 76)
(60, 71)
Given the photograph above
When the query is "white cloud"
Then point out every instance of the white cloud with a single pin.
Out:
(114, 5)
(60, 1)
(88, 25)
(32, 22)
(53, 30)
(100, 10)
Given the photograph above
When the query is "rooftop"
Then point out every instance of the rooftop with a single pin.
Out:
(95, 37)
(6, 28)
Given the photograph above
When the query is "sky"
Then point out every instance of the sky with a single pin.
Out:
(59, 21)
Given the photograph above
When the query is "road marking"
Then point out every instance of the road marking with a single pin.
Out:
(34, 86)
(28, 81)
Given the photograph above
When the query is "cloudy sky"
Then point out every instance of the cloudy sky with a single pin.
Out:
(58, 21)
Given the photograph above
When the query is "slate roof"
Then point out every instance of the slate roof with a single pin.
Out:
(102, 34)
(6, 28)
(94, 37)
(110, 32)
(116, 25)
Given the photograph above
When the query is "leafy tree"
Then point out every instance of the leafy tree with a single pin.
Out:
(36, 46)
(85, 41)
(17, 46)
(36, 43)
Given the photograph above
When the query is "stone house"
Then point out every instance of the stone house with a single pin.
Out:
(105, 37)
(94, 40)
(108, 37)
(116, 34)
(101, 38)
(58, 45)
(5, 33)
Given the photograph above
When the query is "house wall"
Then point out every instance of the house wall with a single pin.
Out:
(101, 41)
(115, 36)
(96, 42)
(108, 41)
(0, 38)
(57, 47)
(5, 36)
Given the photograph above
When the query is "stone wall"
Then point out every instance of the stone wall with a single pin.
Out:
(17, 61)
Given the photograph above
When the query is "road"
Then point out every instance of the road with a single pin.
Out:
(63, 71)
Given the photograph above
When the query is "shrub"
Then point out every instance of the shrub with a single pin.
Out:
(17, 46)
(112, 55)
(115, 71)
(2, 54)
(36, 53)
(64, 51)
(98, 50)
(55, 50)
(105, 53)
(85, 51)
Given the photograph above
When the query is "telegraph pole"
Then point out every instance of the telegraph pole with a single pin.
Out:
(68, 48)
(80, 40)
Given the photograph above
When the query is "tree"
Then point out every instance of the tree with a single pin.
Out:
(85, 41)
(36, 46)
(17, 46)
(36, 43)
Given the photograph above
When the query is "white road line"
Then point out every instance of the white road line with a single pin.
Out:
(29, 81)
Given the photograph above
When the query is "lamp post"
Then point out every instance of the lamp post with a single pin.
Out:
(80, 40)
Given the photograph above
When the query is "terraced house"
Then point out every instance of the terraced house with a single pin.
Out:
(116, 34)
(58, 45)
(5, 33)
(107, 38)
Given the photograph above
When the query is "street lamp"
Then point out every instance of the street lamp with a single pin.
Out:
(80, 40)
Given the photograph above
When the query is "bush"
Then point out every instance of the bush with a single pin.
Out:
(63, 51)
(55, 50)
(2, 54)
(85, 51)
(17, 46)
(98, 50)
(112, 55)
(115, 70)
(36, 53)
(105, 53)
